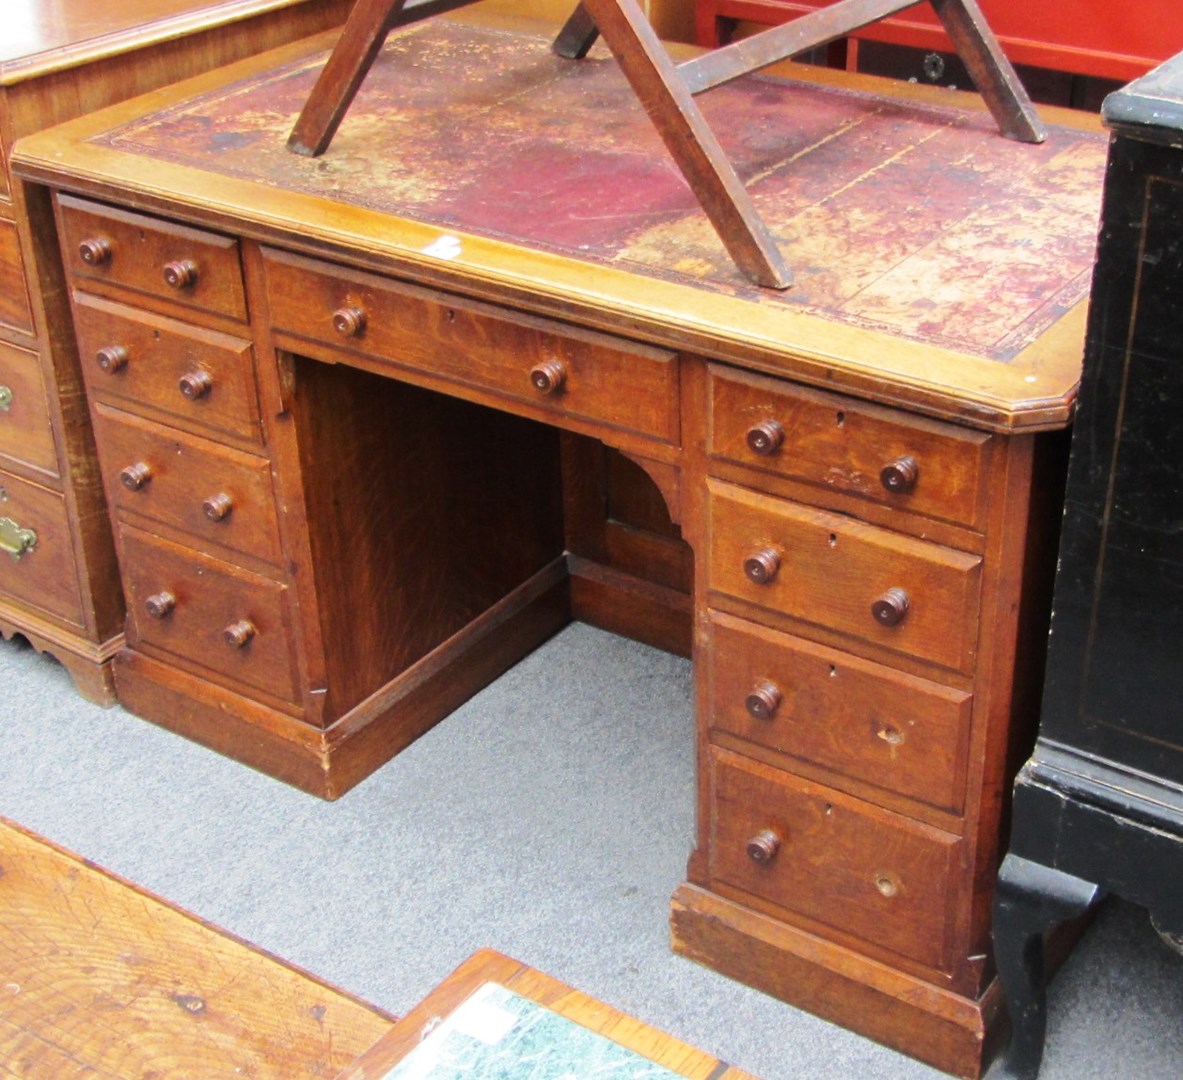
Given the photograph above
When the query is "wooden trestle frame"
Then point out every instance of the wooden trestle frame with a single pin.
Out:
(667, 90)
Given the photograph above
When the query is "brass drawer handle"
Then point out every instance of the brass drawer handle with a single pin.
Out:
(135, 477)
(15, 540)
(218, 507)
(112, 359)
(5, 398)
(180, 273)
(900, 476)
(891, 607)
(762, 847)
(765, 438)
(195, 385)
(763, 700)
(548, 377)
(160, 605)
(349, 321)
(238, 634)
(761, 566)
(95, 251)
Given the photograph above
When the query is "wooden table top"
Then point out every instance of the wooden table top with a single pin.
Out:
(937, 263)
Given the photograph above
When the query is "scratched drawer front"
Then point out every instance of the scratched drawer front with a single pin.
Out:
(844, 575)
(36, 555)
(214, 493)
(135, 359)
(840, 444)
(559, 369)
(210, 613)
(25, 432)
(14, 299)
(897, 732)
(831, 858)
(187, 266)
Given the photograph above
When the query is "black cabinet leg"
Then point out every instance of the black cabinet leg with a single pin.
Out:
(1029, 899)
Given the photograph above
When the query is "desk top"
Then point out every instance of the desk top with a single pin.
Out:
(937, 263)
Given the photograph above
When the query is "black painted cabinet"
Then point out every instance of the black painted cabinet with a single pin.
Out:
(1099, 806)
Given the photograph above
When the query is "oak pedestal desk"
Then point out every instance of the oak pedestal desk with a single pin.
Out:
(338, 403)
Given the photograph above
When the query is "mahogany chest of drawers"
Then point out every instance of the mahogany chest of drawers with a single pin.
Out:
(337, 404)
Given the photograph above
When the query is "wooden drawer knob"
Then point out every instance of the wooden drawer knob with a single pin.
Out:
(763, 700)
(112, 359)
(158, 605)
(349, 321)
(899, 476)
(765, 438)
(180, 273)
(195, 384)
(218, 507)
(891, 607)
(134, 477)
(762, 847)
(238, 634)
(95, 251)
(549, 376)
(761, 566)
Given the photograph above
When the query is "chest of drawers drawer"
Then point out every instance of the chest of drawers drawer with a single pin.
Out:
(896, 732)
(208, 613)
(559, 370)
(839, 444)
(871, 584)
(14, 297)
(187, 266)
(25, 432)
(831, 858)
(214, 493)
(199, 377)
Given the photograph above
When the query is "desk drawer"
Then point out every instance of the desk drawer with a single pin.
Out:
(897, 732)
(214, 493)
(559, 369)
(209, 613)
(37, 557)
(14, 298)
(831, 858)
(892, 591)
(187, 266)
(841, 444)
(25, 432)
(199, 376)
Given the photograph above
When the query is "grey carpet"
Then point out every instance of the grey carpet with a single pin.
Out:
(549, 818)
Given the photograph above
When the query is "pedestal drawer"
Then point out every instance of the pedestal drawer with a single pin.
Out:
(209, 613)
(174, 262)
(201, 377)
(14, 297)
(214, 493)
(36, 555)
(831, 858)
(890, 590)
(25, 432)
(900, 733)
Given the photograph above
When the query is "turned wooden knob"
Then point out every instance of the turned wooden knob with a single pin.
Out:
(95, 251)
(762, 847)
(761, 566)
(899, 476)
(548, 377)
(763, 700)
(349, 321)
(112, 359)
(180, 273)
(765, 437)
(238, 634)
(160, 604)
(134, 477)
(891, 607)
(195, 384)
(218, 507)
